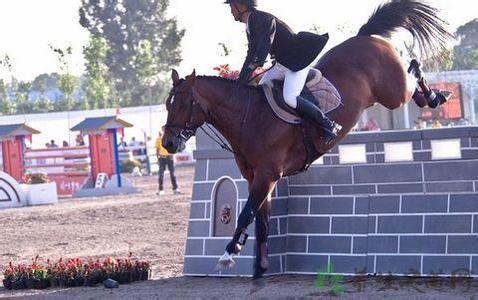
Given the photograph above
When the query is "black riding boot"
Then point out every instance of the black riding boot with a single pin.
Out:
(434, 97)
(310, 111)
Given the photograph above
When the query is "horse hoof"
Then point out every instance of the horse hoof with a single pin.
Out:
(225, 262)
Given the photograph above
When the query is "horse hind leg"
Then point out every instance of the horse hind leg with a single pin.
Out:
(427, 96)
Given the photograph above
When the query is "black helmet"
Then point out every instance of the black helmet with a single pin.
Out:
(249, 3)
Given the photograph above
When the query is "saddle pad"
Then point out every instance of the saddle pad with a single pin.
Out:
(318, 90)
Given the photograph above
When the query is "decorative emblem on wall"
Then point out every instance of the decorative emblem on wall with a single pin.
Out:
(226, 212)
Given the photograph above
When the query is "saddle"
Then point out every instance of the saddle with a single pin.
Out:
(317, 89)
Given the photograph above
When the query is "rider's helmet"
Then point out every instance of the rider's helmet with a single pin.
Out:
(249, 3)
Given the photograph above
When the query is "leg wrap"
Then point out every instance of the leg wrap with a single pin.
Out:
(246, 217)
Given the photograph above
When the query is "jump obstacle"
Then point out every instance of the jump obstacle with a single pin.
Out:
(73, 169)
(399, 202)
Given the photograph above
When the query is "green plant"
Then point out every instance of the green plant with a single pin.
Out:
(326, 279)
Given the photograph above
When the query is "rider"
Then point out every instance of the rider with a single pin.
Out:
(294, 54)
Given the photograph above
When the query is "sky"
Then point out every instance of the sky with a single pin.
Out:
(28, 27)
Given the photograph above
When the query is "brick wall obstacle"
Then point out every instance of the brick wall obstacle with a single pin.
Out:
(400, 202)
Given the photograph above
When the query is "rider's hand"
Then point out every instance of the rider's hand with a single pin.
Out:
(246, 74)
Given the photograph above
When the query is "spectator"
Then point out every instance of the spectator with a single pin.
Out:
(133, 142)
(420, 124)
(47, 145)
(436, 123)
(165, 159)
(52, 144)
(79, 140)
(371, 125)
(65, 144)
(122, 144)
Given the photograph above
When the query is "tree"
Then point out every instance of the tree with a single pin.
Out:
(6, 106)
(134, 31)
(43, 105)
(466, 52)
(98, 85)
(44, 82)
(67, 83)
(146, 63)
(22, 91)
(440, 62)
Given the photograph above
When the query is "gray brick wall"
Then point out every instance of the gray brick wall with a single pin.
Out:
(418, 216)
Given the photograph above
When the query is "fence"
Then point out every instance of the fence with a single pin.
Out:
(69, 167)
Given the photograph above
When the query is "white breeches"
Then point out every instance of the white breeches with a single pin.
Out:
(293, 81)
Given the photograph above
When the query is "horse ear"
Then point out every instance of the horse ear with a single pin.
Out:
(191, 78)
(174, 76)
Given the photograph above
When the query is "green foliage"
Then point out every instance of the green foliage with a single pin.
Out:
(466, 52)
(7, 107)
(67, 83)
(225, 49)
(43, 82)
(24, 106)
(439, 63)
(326, 279)
(43, 105)
(142, 43)
(99, 89)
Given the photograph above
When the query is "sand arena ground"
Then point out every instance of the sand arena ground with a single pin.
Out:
(155, 229)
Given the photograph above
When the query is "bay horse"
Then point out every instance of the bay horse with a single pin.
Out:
(365, 69)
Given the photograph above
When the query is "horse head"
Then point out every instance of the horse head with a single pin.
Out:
(185, 114)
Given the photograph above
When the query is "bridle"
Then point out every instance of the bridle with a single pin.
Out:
(189, 129)
(186, 132)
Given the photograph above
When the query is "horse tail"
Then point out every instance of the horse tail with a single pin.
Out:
(420, 19)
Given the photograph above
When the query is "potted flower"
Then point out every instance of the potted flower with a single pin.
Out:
(39, 190)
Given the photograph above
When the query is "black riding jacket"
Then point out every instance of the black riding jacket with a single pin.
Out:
(269, 35)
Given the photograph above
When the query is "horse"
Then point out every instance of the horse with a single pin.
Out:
(365, 69)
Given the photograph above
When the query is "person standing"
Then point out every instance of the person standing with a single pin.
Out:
(165, 159)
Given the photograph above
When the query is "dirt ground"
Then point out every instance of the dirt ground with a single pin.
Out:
(155, 228)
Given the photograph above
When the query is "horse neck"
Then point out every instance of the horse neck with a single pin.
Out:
(225, 111)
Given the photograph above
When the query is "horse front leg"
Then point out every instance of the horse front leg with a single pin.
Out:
(261, 263)
(261, 187)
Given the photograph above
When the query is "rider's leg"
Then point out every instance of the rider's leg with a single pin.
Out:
(277, 72)
(293, 84)
(433, 97)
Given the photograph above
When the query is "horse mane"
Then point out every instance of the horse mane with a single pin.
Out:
(227, 80)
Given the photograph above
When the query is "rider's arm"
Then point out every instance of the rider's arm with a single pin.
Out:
(263, 31)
